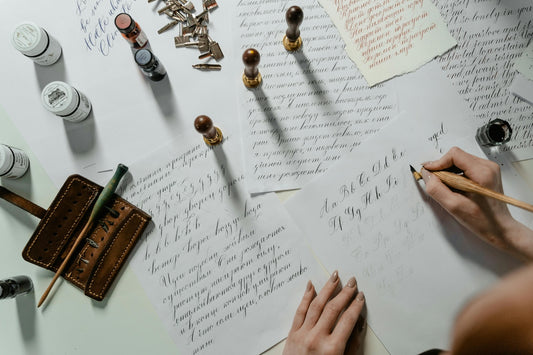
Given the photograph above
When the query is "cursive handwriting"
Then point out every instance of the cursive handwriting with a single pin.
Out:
(491, 36)
(96, 22)
(216, 256)
(313, 106)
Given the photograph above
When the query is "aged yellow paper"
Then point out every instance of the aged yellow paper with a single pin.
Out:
(386, 38)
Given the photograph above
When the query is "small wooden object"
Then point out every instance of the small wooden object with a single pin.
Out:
(251, 76)
(292, 40)
(101, 202)
(462, 183)
(204, 125)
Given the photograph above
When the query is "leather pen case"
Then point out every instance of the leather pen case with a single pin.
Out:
(106, 246)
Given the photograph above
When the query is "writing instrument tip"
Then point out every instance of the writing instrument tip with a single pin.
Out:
(415, 173)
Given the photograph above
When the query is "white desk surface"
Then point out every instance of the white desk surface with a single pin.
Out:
(71, 323)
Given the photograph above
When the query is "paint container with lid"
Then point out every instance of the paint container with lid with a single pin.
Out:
(65, 101)
(150, 65)
(496, 132)
(14, 286)
(131, 31)
(13, 162)
(35, 43)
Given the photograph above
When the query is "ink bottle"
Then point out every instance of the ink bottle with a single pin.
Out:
(35, 43)
(13, 162)
(496, 132)
(150, 65)
(65, 101)
(14, 286)
(131, 31)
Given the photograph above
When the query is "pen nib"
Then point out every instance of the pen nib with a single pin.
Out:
(415, 173)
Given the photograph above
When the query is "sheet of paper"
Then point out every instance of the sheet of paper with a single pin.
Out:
(523, 88)
(368, 217)
(131, 115)
(388, 38)
(524, 64)
(224, 271)
(491, 35)
(522, 85)
(313, 105)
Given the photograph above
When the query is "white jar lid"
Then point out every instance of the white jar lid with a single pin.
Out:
(6, 159)
(60, 98)
(29, 39)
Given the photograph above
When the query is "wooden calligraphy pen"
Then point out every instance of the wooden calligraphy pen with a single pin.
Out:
(462, 183)
(101, 201)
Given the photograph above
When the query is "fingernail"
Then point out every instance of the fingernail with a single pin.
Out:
(351, 282)
(427, 163)
(360, 296)
(425, 174)
(309, 286)
(334, 276)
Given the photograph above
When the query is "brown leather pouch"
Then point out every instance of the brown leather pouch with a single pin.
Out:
(106, 246)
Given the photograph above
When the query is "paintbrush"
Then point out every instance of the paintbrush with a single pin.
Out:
(102, 200)
(462, 183)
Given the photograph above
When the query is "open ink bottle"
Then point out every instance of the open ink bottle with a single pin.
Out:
(494, 133)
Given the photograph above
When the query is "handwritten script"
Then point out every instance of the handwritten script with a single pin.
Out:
(217, 261)
(386, 38)
(491, 35)
(369, 217)
(96, 20)
(313, 106)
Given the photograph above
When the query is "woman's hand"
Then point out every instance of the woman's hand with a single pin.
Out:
(486, 217)
(323, 324)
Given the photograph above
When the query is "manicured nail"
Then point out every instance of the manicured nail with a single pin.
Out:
(334, 276)
(351, 282)
(360, 296)
(309, 286)
(425, 175)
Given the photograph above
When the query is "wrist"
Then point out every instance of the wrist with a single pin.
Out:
(520, 239)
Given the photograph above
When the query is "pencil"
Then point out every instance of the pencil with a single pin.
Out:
(101, 201)
(462, 183)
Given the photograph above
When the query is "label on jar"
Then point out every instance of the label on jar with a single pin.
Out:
(82, 111)
(19, 165)
(51, 53)
(141, 39)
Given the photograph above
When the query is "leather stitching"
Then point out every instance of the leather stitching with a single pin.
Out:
(119, 261)
(80, 215)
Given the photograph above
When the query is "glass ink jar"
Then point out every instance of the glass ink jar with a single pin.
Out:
(496, 132)
(36, 44)
(65, 101)
(150, 65)
(13, 162)
(131, 30)
(14, 286)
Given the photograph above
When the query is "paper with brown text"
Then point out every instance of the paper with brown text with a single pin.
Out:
(386, 38)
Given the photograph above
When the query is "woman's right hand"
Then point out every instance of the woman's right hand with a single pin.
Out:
(488, 218)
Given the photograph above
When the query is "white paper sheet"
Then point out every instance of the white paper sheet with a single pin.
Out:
(389, 38)
(224, 271)
(369, 218)
(491, 34)
(522, 85)
(313, 105)
(131, 115)
(524, 64)
(523, 88)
